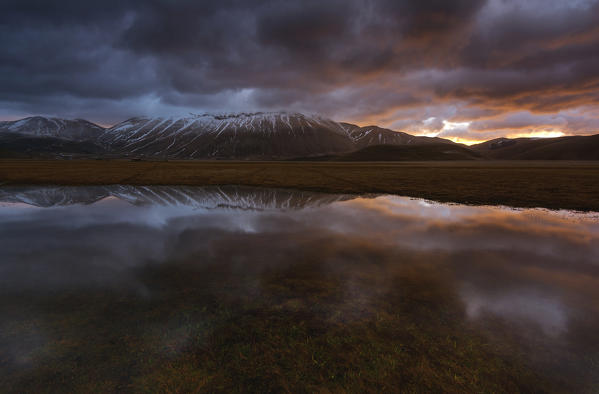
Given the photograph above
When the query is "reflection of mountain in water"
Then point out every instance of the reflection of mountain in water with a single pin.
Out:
(234, 197)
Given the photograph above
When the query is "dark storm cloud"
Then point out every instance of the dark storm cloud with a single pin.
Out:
(364, 61)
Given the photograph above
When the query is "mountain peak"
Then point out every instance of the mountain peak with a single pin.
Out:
(230, 135)
(232, 117)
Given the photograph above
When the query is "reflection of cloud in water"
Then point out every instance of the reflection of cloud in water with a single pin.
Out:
(332, 260)
(457, 227)
(22, 349)
(108, 242)
(517, 306)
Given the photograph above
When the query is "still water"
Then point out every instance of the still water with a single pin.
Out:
(122, 288)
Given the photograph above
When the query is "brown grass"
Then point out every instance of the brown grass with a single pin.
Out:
(203, 331)
(567, 185)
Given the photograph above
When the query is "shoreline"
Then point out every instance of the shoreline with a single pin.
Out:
(521, 184)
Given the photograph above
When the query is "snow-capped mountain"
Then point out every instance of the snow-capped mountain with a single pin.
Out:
(39, 126)
(260, 136)
(244, 135)
(208, 197)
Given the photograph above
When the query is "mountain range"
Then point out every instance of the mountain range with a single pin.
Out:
(263, 136)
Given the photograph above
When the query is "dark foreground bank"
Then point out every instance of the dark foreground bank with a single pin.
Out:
(555, 185)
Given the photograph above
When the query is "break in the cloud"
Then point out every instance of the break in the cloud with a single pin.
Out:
(465, 69)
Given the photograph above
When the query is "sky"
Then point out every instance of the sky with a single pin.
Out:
(468, 70)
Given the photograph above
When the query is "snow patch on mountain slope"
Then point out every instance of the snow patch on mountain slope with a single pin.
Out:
(259, 122)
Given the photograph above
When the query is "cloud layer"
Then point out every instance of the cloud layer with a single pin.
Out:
(496, 67)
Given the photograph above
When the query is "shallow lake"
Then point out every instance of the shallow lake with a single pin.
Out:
(123, 288)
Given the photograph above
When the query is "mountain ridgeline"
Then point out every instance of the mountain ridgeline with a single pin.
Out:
(262, 136)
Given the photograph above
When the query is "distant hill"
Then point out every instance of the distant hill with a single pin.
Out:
(560, 148)
(66, 129)
(374, 135)
(432, 151)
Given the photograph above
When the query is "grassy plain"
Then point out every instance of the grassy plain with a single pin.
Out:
(213, 328)
(548, 184)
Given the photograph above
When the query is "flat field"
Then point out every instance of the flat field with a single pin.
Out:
(548, 184)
